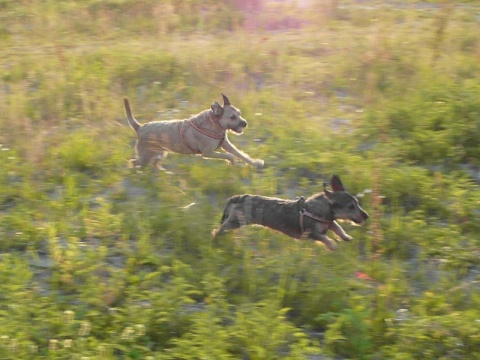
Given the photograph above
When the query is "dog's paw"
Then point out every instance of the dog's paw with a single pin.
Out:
(132, 163)
(328, 243)
(347, 238)
(258, 163)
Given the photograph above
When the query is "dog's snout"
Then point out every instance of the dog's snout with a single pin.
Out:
(243, 123)
(364, 215)
(360, 218)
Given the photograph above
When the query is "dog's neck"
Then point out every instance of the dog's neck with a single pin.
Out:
(209, 126)
(214, 120)
(208, 122)
(328, 218)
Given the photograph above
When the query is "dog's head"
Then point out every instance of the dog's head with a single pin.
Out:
(228, 116)
(344, 205)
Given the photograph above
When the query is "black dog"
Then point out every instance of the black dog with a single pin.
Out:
(296, 218)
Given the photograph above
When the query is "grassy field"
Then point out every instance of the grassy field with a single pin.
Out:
(99, 261)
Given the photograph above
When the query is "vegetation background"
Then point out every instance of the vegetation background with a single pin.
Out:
(99, 261)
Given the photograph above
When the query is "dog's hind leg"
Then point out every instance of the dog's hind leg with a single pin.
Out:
(146, 153)
(144, 159)
(160, 155)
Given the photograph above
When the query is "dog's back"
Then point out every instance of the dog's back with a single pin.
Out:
(260, 210)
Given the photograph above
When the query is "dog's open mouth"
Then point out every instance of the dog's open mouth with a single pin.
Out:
(358, 221)
(239, 130)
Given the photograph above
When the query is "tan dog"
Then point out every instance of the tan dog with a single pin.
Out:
(302, 218)
(201, 134)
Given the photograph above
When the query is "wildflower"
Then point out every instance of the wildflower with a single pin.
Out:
(101, 351)
(112, 310)
(363, 276)
(13, 345)
(127, 333)
(68, 316)
(33, 348)
(84, 328)
(140, 329)
(4, 339)
(53, 344)
(67, 343)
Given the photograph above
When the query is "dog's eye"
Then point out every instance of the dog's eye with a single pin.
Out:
(351, 207)
(233, 117)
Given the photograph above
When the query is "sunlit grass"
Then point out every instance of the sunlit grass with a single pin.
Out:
(99, 260)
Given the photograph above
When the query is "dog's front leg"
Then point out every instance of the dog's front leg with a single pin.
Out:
(229, 147)
(337, 229)
(218, 155)
(325, 240)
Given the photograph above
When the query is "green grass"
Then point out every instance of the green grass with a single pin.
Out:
(100, 261)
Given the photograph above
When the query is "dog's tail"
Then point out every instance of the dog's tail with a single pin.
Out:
(131, 120)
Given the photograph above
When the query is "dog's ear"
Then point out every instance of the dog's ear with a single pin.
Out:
(225, 100)
(217, 109)
(336, 183)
